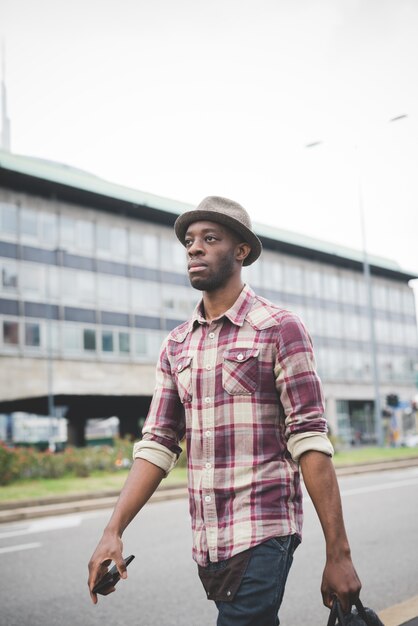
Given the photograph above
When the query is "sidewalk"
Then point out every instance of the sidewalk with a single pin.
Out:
(403, 614)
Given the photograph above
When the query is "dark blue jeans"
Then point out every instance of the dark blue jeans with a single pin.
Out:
(260, 594)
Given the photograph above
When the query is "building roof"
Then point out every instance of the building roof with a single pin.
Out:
(51, 179)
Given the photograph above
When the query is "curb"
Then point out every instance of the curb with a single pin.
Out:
(76, 504)
(14, 511)
(402, 614)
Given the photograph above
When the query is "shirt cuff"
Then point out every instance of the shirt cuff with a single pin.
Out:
(303, 442)
(155, 453)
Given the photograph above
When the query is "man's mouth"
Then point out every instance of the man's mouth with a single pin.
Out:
(196, 267)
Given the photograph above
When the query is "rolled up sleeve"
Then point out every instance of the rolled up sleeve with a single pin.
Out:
(297, 381)
(164, 427)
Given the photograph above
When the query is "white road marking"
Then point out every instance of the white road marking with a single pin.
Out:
(44, 525)
(370, 488)
(18, 548)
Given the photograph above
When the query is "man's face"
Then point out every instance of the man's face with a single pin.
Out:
(211, 255)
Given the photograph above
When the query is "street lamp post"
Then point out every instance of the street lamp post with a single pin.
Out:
(370, 313)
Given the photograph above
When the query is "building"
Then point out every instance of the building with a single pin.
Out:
(92, 278)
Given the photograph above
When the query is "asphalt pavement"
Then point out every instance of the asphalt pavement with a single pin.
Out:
(402, 614)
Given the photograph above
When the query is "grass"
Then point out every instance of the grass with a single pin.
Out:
(99, 481)
(355, 456)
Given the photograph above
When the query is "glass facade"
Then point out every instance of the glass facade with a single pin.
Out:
(105, 287)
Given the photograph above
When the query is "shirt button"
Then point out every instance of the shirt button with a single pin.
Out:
(211, 335)
(207, 400)
(179, 366)
(228, 593)
(208, 465)
(240, 356)
(208, 499)
(208, 433)
(208, 366)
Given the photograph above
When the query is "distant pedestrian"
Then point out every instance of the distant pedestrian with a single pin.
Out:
(238, 380)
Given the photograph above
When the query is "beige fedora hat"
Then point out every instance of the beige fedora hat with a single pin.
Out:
(225, 212)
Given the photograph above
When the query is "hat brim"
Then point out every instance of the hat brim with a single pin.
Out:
(183, 222)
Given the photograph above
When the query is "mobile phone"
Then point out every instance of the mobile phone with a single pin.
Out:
(110, 579)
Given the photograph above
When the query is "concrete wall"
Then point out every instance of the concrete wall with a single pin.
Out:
(28, 377)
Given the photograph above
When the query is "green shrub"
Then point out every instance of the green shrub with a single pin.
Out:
(30, 463)
(7, 465)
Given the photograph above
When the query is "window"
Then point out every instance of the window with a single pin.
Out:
(67, 231)
(144, 249)
(313, 283)
(53, 282)
(354, 365)
(29, 223)
(379, 294)
(69, 285)
(71, 339)
(147, 344)
(146, 295)
(107, 341)
(85, 235)
(103, 238)
(252, 274)
(8, 276)
(293, 278)
(32, 334)
(333, 324)
(382, 330)
(52, 335)
(89, 339)
(86, 287)
(112, 240)
(113, 291)
(48, 228)
(395, 299)
(272, 271)
(10, 333)
(141, 343)
(124, 343)
(398, 334)
(33, 280)
(173, 257)
(119, 242)
(331, 286)
(349, 289)
(8, 218)
(178, 300)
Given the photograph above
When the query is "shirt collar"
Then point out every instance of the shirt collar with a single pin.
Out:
(236, 314)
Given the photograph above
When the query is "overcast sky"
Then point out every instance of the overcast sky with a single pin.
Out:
(188, 98)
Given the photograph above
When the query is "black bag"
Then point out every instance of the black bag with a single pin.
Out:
(360, 616)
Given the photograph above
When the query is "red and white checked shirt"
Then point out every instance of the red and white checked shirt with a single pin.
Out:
(237, 388)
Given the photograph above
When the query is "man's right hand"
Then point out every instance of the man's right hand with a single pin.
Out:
(143, 479)
(109, 549)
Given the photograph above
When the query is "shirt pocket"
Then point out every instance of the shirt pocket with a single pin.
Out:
(183, 376)
(240, 371)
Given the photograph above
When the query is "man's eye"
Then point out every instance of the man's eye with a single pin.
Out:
(210, 238)
(188, 242)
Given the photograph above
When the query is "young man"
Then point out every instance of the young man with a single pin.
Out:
(239, 381)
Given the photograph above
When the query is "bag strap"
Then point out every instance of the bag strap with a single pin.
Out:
(337, 613)
(361, 611)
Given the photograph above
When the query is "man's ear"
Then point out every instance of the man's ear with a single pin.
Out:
(243, 250)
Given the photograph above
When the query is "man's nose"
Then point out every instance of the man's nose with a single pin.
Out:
(195, 248)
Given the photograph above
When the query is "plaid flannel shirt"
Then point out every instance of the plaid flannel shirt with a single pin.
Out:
(241, 389)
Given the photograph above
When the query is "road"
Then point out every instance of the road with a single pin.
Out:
(44, 562)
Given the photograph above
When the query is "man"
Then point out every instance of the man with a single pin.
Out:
(239, 381)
